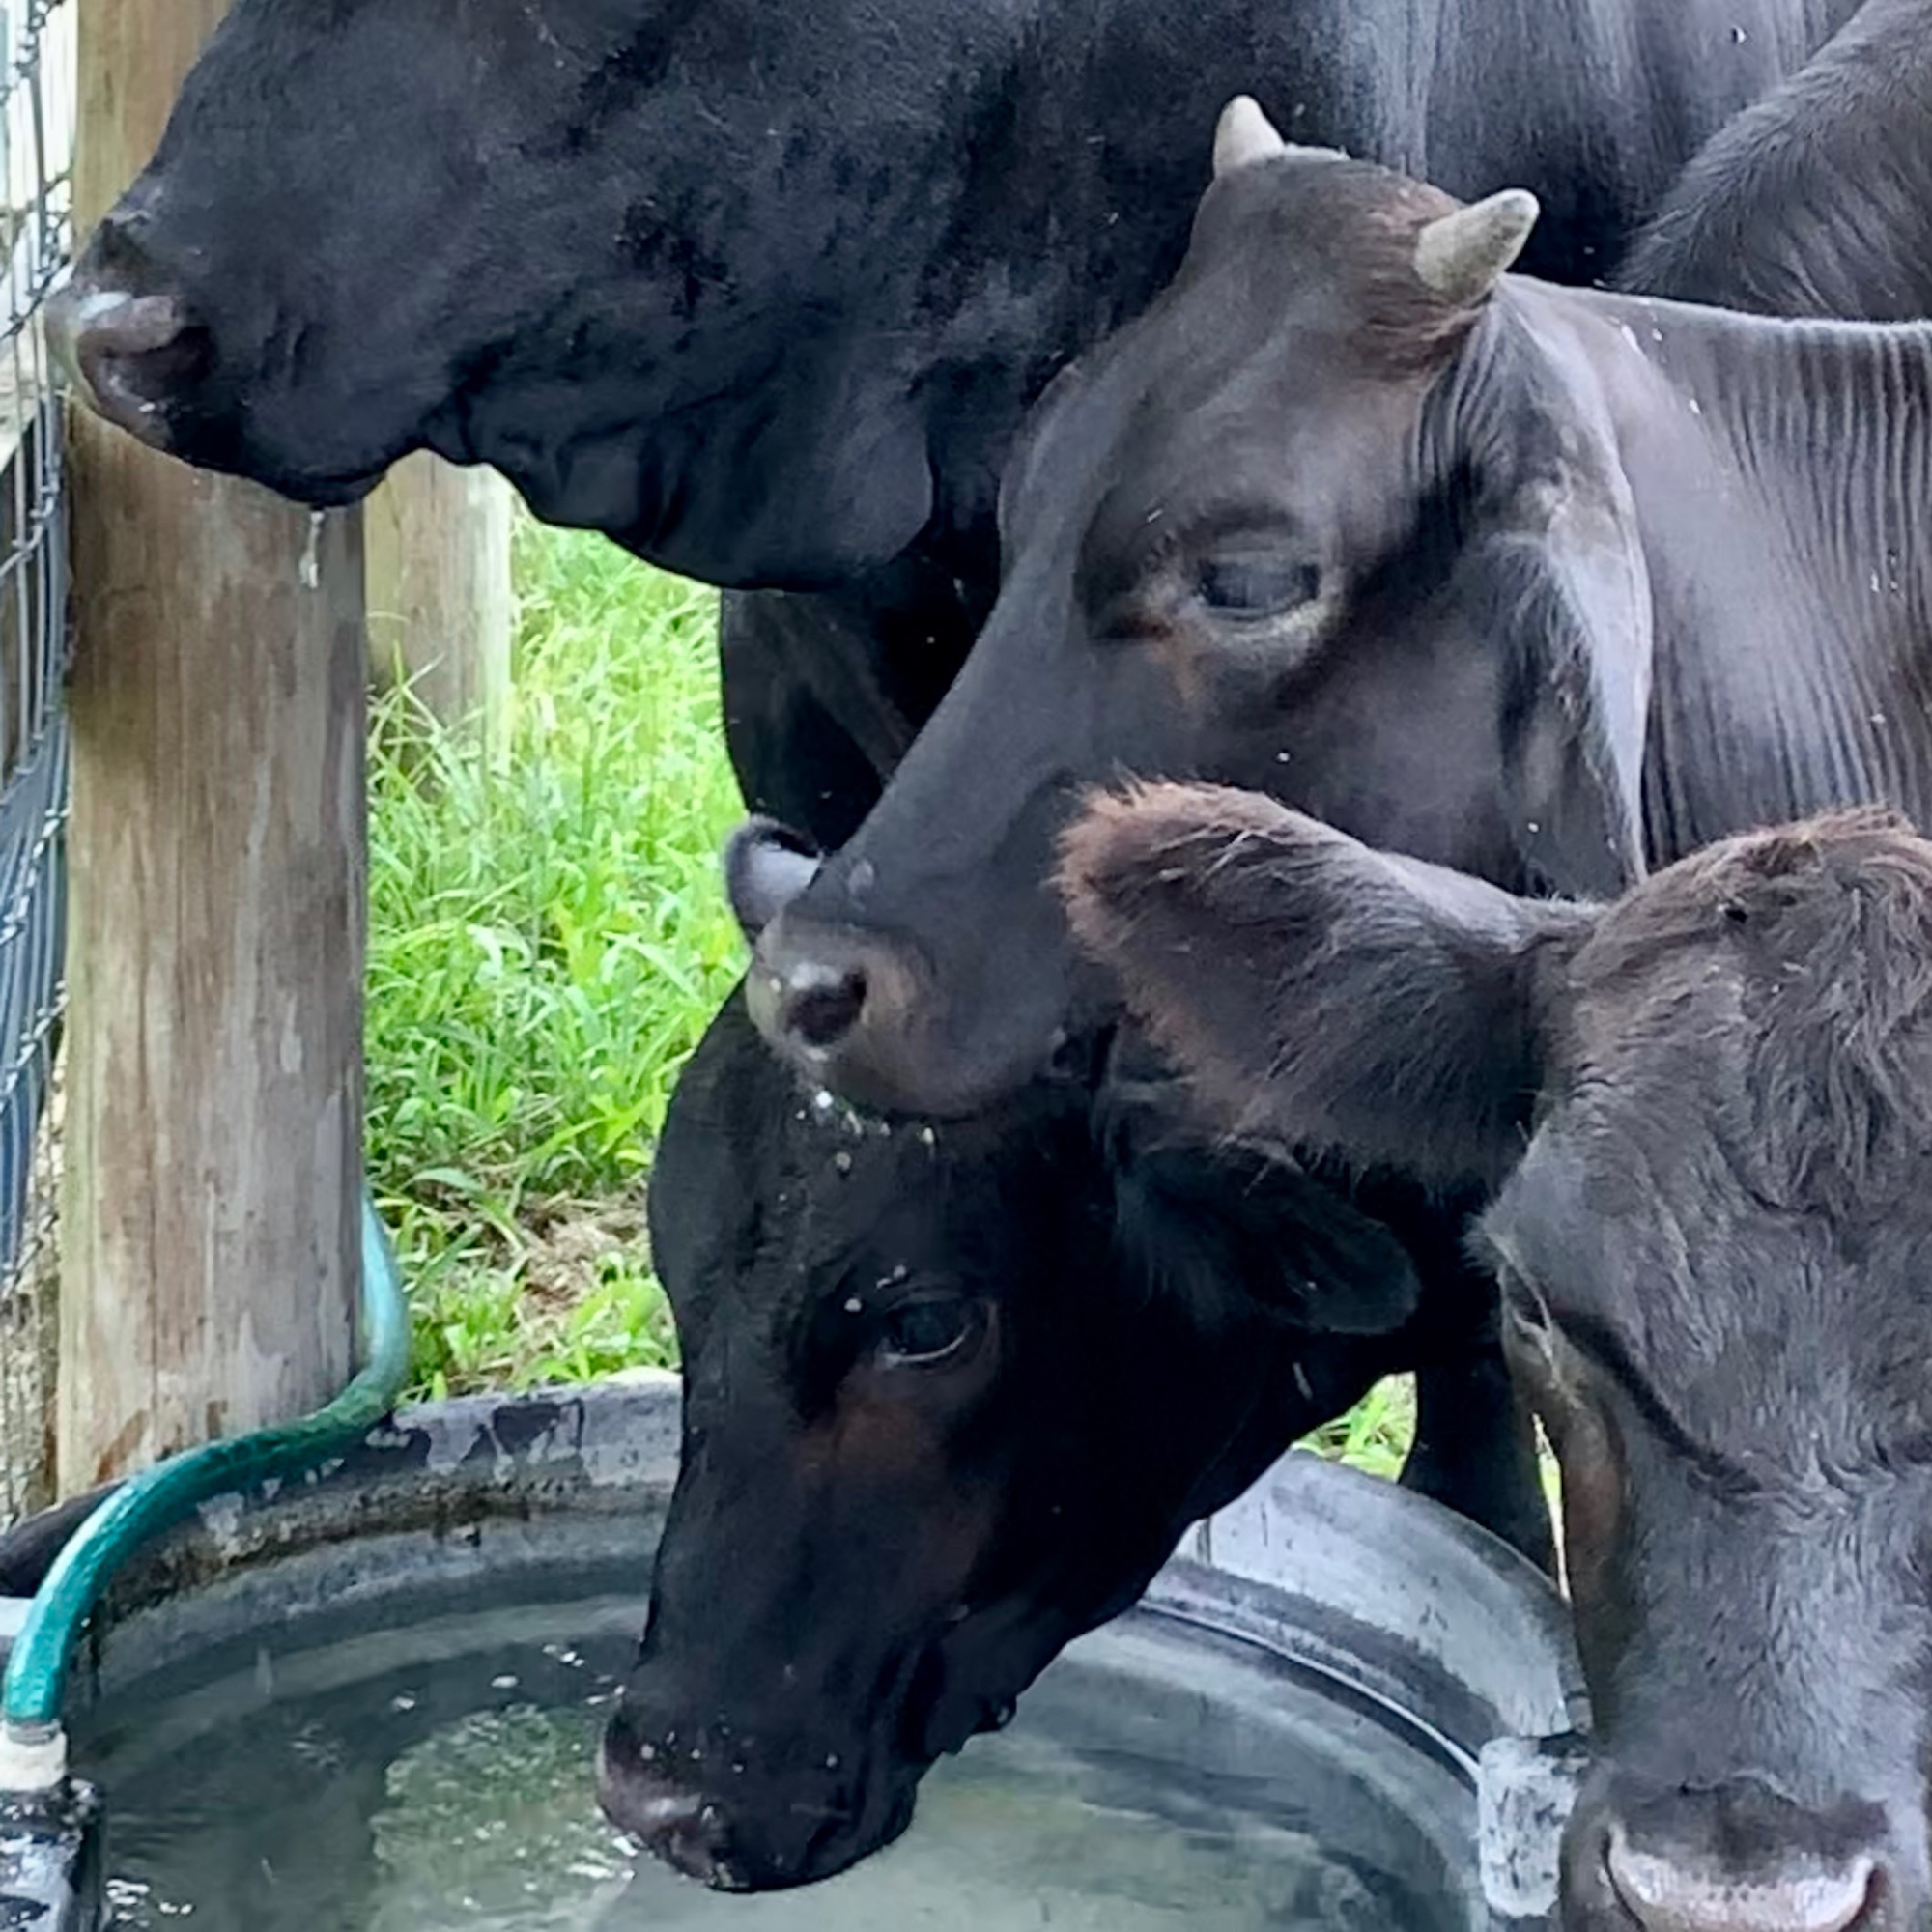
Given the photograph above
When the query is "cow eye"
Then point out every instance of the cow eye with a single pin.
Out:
(1257, 587)
(920, 1334)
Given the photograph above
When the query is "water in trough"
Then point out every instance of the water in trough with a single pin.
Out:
(440, 1781)
(370, 1702)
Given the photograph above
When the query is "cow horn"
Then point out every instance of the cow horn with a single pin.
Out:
(1245, 134)
(1463, 255)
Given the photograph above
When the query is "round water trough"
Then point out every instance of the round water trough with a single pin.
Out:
(369, 1702)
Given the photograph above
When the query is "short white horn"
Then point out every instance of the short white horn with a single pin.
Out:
(1461, 256)
(1243, 135)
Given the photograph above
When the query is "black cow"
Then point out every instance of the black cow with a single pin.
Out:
(1540, 583)
(1818, 199)
(951, 1395)
(762, 290)
(1714, 1106)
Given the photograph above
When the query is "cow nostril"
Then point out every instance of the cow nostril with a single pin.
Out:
(1670, 1894)
(820, 1012)
(679, 1826)
(125, 352)
(122, 325)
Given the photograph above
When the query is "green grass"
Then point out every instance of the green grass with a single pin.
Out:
(547, 938)
(547, 941)
(1375, 1434)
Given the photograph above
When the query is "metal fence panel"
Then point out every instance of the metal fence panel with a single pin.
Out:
(37, 110)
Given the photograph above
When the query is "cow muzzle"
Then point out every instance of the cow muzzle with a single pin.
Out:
(125, 353)
(702, 1802)
(838, 1001)
(841, 1004)
(1736, 1859)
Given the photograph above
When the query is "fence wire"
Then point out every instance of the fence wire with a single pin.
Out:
(37, 110)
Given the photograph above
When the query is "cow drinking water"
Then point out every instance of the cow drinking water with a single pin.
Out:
(952, 1396)
(1709, 1111)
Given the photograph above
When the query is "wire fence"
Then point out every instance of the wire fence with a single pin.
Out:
(37, 113)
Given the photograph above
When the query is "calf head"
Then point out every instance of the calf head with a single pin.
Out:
(1331, 521)
(1708, 1110)
(950, 1398)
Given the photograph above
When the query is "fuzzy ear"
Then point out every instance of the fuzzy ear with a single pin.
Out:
(766, 867)
(1228, 1226)
(706, 1162)
(1340, 998)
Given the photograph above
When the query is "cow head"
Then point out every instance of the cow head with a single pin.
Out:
(1332, 521)
(583, 241)
(1710, 1111)
(950, 1398)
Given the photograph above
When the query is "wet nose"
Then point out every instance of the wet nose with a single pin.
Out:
(671, 1821)
(840, 1002)
(816, 1004)
(1663, 1894)
(122, 351)
(1739, 1859)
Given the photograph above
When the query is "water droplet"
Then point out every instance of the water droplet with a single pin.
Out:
(832, 1762)
(842, 1161)
(311, 562)
(854, 1306)
(503, 1683)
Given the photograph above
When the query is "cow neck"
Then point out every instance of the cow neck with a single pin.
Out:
(1781, 472)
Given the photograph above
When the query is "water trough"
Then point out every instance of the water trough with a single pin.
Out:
(368, 1702)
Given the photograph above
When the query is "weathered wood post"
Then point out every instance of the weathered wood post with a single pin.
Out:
(437, 539)
(213, 1105)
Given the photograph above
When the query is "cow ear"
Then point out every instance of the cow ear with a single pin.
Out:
(1225, 1225)
(1555, 574)
(709, 1151)
(766, 867)
(1331, 996)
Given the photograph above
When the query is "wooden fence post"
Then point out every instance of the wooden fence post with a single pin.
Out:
(214, 1101)
(437, 539)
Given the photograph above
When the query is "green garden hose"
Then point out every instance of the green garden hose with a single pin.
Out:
(33, 1745)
